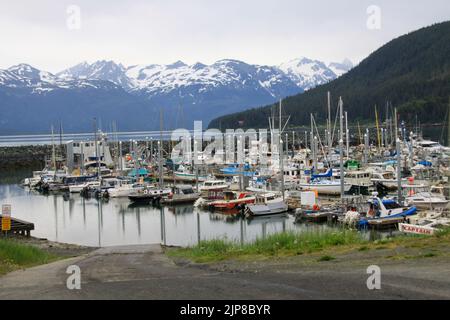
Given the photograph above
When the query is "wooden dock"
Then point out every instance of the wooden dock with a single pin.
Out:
(385, 222)
(19, 226)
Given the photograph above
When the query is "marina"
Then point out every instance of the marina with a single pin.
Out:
(107, 192)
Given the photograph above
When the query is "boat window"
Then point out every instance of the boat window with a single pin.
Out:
(188, 191)
(391, 205)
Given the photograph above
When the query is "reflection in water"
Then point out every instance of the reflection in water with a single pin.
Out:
(74, 219)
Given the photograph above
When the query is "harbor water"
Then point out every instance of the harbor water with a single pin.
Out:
(91, 222)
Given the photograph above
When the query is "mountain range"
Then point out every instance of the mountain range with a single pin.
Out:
(410, 73)
(31, 100)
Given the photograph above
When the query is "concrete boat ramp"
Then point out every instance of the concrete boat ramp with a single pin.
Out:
(145, 272)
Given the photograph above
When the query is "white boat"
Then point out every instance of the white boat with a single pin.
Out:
(77, 188)
(358, 178)
(266, 206)
(425, 223)
(213, 185)
(326, 187)
(148, 194)
(34, 180)
(124, 189)
(421, 197)
(387, 179)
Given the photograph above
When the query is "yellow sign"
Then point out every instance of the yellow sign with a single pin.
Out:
(6, 223)
(6, 217)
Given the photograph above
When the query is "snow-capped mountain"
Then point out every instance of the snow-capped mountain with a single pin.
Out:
(307, 73)
(341, 68)
(25, 76)
(99, 70)
(131, 95)
(301, 74)
(198, 79)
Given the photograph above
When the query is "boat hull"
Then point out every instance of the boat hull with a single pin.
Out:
(325, 189)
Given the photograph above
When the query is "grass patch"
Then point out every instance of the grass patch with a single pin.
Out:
(14, 255)
(281, 244)
(311, 242)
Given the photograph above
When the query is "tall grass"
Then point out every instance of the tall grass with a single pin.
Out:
(280, 244)
(14, 255)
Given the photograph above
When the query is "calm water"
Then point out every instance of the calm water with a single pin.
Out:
(114, 222)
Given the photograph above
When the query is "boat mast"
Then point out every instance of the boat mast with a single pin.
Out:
(280, 143)
(161, 180)
(82, 158)
(347, 136)
(53, 152)
(341, 147)
(399, 171)
(96, 148)
(329, 124)
(378, 128)
(448, 124)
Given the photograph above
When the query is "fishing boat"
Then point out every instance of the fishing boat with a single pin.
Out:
(186, 175)
(323, 184)
(210, 185)
(124, 188)
(77, 188)
(232, 200)
(181, 194)
(422, 197)
(380, 212)
(425, 223)
(386, 179)
(265, 205)
(149, 194)
(234, 169)
(34, 180)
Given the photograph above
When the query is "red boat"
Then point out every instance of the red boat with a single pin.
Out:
(232, 200)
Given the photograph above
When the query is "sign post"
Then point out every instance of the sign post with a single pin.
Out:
(6, 217)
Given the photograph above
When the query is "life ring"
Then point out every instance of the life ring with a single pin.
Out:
(145, 191)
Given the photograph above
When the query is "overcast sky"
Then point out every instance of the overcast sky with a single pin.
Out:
(163, 31)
